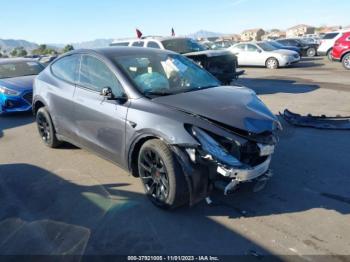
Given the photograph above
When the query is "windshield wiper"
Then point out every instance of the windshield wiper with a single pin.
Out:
(199, 88)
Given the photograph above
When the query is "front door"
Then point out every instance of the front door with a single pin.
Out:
(100, 122)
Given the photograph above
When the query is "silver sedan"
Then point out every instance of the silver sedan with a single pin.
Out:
(263, 54)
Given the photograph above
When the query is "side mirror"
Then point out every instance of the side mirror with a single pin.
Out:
(107, 93)
(259, 51)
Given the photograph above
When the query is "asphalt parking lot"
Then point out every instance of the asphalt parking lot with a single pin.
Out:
(68, 201)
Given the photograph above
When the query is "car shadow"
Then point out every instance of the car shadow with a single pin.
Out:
(264, 86)
(12, 120)
(304, 64)
(315, 58)
(42, 213)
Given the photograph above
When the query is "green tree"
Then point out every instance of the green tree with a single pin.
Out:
(44, 50)
(18, 52)
(68, 48)
(21, 52)
(14, 52)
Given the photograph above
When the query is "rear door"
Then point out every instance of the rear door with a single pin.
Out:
(100, 122)
(60, 94)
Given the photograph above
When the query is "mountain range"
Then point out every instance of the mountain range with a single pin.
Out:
(9, 44)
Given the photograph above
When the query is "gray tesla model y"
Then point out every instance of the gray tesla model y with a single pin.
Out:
(160, 116)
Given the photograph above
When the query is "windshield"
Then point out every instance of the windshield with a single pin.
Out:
(165, 74)
(266, 47)
(17, 69)
(183, 45)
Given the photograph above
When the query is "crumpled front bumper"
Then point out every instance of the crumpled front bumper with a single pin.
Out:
(245, 174)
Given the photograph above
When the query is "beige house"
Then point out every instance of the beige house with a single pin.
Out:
(300, 30)
(274, 34)
(252, 34)
(233, 37)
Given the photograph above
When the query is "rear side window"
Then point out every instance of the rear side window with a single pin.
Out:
(138, 44)
(240, 47)
(120, 44)
(95, 75)
(330, 35)
(251, 48)
(153, 45)
(66, 68)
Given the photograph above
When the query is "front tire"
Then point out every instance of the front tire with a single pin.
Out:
(162, 175)
(272, 63)
(346, 61)
(46, 128)
(311, 52)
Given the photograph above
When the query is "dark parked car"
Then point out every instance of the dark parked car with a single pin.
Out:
(307, 49)
(280, 46)
(16, 84)
(160, 116)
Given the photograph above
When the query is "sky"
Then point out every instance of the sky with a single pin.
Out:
(69, 21)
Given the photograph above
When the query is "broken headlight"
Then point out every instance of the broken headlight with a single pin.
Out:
(210, 146)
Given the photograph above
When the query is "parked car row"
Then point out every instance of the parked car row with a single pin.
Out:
(221, 63)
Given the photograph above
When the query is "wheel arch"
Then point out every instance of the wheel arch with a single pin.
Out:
(272, 57)
(135, 149)
(37, 104)
(343, 55)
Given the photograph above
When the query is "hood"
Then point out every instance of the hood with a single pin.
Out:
(21, 83)
(285, 52)
(234, 106)
(210, 53)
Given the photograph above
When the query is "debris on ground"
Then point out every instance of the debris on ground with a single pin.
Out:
(320, 122)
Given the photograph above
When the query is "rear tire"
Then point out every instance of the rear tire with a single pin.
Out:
(329, 55)
(46, 128)
(272, 63)
(346, 61)
(311, 52)
(162, 175)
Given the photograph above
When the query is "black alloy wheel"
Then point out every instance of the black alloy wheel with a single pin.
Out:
(46, 128)
(161, 175)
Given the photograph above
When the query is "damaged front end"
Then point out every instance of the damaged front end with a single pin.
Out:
(225, 163)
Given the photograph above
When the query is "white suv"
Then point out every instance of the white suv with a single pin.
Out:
(327, 43)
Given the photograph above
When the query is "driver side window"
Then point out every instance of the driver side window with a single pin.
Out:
(95, 75)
